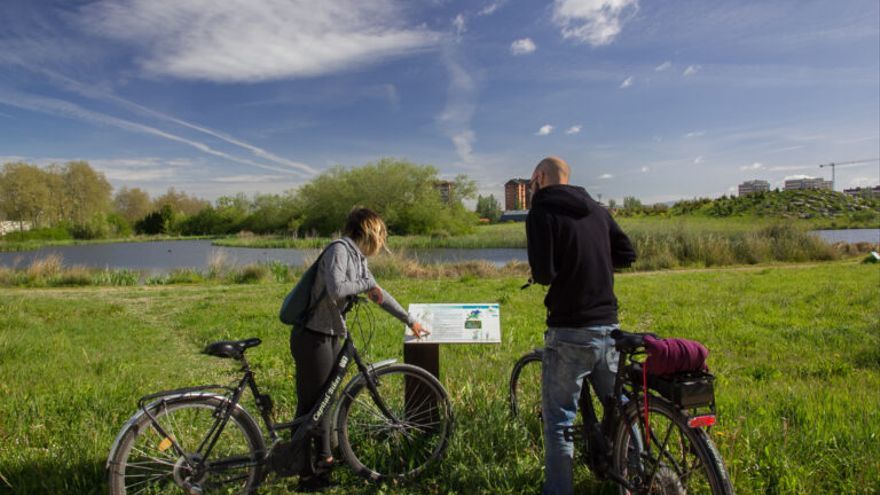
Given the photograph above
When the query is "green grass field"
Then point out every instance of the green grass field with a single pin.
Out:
(795, 348)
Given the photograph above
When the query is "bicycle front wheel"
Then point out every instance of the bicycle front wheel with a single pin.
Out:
(144, 461)
(525, 393)
(379, 446)
(678, 459)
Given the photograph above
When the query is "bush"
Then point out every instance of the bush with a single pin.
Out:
(250, 274)
(403, 193)
(57, 233)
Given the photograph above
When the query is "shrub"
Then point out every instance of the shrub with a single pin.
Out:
(250, 274)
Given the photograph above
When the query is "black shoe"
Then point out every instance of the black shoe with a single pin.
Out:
(316, 483)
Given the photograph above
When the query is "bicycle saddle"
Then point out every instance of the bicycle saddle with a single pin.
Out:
(231, 348)
(627, 341)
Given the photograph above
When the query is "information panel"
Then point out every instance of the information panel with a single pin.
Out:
(457, 323)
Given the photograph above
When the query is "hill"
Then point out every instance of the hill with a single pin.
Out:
(800, 204)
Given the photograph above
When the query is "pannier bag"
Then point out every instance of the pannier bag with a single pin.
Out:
(687, 390)
(298, 305)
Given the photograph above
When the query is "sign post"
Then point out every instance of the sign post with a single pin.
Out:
(449, 324)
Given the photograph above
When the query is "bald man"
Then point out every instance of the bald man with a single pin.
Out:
(574, 246)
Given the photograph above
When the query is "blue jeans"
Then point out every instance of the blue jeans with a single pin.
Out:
(570, 355)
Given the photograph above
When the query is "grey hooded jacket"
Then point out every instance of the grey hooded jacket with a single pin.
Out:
(343, 272)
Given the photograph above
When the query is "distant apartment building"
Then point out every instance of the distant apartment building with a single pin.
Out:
(753, 186)
(808, 183)
(517, 195)
(445, 188)
(864, 192)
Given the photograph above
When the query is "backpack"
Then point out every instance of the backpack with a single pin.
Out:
(298, 306)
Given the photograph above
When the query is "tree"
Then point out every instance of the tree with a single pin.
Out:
(612, 203)
(132, 204)
(271, 213)
(631, 203)
(87, 192)
(180, 202)
(157, 222)
(488, 207)
(402, 192)
(24, 193)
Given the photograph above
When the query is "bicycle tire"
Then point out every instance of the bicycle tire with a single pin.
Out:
(142, 461)
(380, 449)
(675, 472)
(525, 393)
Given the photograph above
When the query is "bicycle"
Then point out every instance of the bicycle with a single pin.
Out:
(391, 422)
(663, 448)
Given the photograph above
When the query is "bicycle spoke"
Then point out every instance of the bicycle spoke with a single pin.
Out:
(405, 441)
(147, 461)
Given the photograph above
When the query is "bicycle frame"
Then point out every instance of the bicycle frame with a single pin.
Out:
(231, 397)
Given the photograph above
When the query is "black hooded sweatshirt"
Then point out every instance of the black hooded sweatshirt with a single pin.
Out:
(574, 246)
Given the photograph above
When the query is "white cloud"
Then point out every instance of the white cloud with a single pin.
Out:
(523, 46)
(257, 40)
(135, 170)
(575, 129)
(464, 145)
(626, 82)
(455, 120)
(691, 70)
(491, 8)
(644, 170)
(753, 166)
(596, 22)
(694, 134)
(250, 179)
(663, 66)
(606, 176)
(459, 24)
(544, 130)
(63, 108)
(698, 160)
(98, 93)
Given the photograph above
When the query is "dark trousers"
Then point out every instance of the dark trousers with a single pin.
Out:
(314, 355)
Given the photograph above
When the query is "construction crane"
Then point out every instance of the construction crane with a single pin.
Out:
(833, 165)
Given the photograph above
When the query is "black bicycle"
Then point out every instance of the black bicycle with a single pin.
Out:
(661, 448)
(391, 422)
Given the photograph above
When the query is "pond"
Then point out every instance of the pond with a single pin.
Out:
(164, 256)
(850, 235)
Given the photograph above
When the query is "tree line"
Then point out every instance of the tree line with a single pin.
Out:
(74, 200)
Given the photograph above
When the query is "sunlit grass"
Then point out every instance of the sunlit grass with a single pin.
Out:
(794, 347)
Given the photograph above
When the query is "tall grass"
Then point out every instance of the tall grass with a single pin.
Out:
(795, 350)
(776, 242)
(51, 272)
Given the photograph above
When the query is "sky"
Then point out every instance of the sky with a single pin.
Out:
(657, 100)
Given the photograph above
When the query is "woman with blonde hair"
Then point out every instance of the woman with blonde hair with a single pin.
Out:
(342, 275)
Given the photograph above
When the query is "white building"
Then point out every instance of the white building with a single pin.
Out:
(753, 186)
(808, 183)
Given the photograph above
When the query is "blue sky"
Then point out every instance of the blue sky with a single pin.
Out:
(659, 100)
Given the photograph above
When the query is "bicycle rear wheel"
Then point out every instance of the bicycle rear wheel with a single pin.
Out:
(677, 460)
(525, 393)
(379, 447)
(146, 462)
